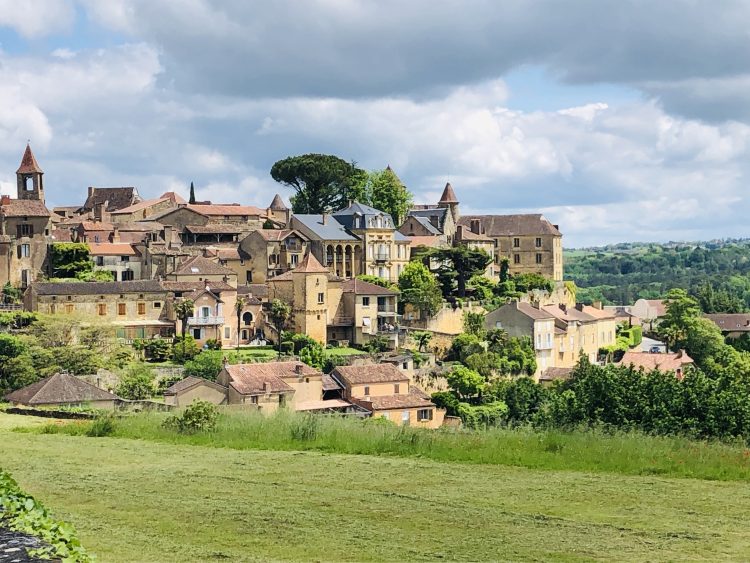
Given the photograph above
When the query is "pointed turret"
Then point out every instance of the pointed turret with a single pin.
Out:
(310, 265)
(29, 165)
(449, 196)
(278, 204)
(29, 177)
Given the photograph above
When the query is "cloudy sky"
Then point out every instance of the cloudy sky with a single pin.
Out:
(620, 121)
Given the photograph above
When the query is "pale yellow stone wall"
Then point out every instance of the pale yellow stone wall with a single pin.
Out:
(397, 417)
(526, 251)
(202, 392)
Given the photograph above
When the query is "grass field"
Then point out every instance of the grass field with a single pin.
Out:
(138, 500)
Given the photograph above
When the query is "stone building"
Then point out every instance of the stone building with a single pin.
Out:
(24, 226)
(434, 220)
(272, 252)
(121, 259)
(60, 390)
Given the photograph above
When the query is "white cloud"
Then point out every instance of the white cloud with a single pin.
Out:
(36, 18)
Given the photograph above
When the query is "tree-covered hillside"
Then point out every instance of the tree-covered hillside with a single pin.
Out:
(717, 273)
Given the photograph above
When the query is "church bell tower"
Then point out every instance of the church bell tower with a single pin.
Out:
(29, 177)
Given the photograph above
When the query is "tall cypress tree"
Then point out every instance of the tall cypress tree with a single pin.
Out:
(192, 193)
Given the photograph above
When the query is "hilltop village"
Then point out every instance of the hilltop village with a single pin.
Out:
(218, 273)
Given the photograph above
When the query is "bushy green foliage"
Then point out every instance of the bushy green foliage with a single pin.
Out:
(420, 289)
(458, 264)
(137, 383)
(17, 319)
(103, 425)
(300, 341)
(485, 415)
(377, 344)
(422, 338)
(207, 365)
(21, 512)
(377, 280)
(531, 281)
(69, 259)
(465, 382)
(199, 416)
(157, 349)
(464, 345)
(286, 349)
(95, 276)
(185, 348)
(474, 324)
(313, 355)
(212, 344)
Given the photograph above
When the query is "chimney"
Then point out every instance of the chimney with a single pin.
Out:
(597, 305)
(679, 354)
(298, 369)
(476, 226)
(168, 234)
(325, 218)
(99, 212)
(579, 306)
(265, 386)
(224, 361)
(115, 234)
(91, 191)
(5, 200)
(459, 232)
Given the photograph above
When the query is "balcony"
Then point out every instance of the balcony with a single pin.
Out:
(382, 256)
(205, 321)
(342, 321)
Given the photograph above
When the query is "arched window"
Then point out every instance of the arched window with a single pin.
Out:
(247, 318)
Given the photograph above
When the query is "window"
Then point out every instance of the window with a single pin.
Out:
(538, 242)
(549, 340)
(141, 308)
(69, 308)
(294, 259)
(366, 301)
(100, 260)
(121, 309)
(396, 388)
(197, 333)
(124, 258)
(101, 309)
(516, 243)
(498, 324)
(24, 251)
(423, 415)
(538, 258)
(516, 258)
(367, 390)
(227, 333)
(405, 417)
(205, 311)
(254, 399)
(157, 304)
(127, 275)
(321, 298)
(25, 230)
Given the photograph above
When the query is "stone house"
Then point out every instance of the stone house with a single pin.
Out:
(530, 242)
(184, 392)
(146, 208)
(137, 309)
(732, 325)
(103, 201)
(385, 391)
(675, 362)
(278, 212)
(650, 311)
(24, 226)
(121, 259)
(272, 252)
(356, 240)
(367, 310)
(434, 220)
(583, 329)
(62, 389)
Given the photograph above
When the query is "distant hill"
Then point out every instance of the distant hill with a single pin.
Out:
(716, 272)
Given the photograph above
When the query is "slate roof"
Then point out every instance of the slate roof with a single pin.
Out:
(190, 382)
(425, 222)
(249, 379)
(278, 204)
(531, 311)
(60, 388)
(552, 374)
(415, 398)
(257, 289)
(25, 208)
(332, 230)
(346, 216)
(29, 165)
(200, 265)
(510, 225)
(369, 373)
(117, 198)
(97, 288)
(360, 287)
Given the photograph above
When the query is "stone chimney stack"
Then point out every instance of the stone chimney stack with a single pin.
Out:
(298, 369)
(459, 232)
(115, 234)
(325, 218)
(476, 226)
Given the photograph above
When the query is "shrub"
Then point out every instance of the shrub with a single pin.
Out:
(200, 416)
(101, 426)
(137, 384)
(287, 348)
(313, 355)
(212, 344)
(207, 365)
(300, 341)
(156, 349)
(182, 351)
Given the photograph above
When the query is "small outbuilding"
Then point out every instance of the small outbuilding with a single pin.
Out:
(191, 388)
(62, 389)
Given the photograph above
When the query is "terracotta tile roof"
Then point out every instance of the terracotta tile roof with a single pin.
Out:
(183, 286)
(214, 229)
(278, 204)
(600, 314)
(661, 362)
(731, 322)
(415, 398)
(145, 204)
(116, 198)
(24, 208)
(359, 287)
(427, 240)
(330, 384)
(531, 311)
(29, 165)
(60, 388)
(234, 210)
(466, 234)
(62, 235)
(276, 234)
(96, 288)
(369, 373)
(569, 314)
(257, 289)
(259, 378)
(449, 196)
(111, 249)
(190, 382)
(96, 226)
(310, 265)
(199, 265)
(228, 253)
(552, 374)
(173, 197)
(659, 305)
(510, 225)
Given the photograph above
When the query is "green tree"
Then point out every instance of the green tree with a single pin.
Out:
(95, 276)
(389, 194)
(313, 355)
(465, 382)
(278, 314)
(239, 306)
(474, 324)
(69, 259)
(184, 310)
(422, 338)
(323, 183)
(137, 383)
(207, 365)
(461, 263)
(420, 289)
(192, 194)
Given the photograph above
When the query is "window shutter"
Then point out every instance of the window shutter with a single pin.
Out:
(31, 230)
(18, 231)
(18, 249)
